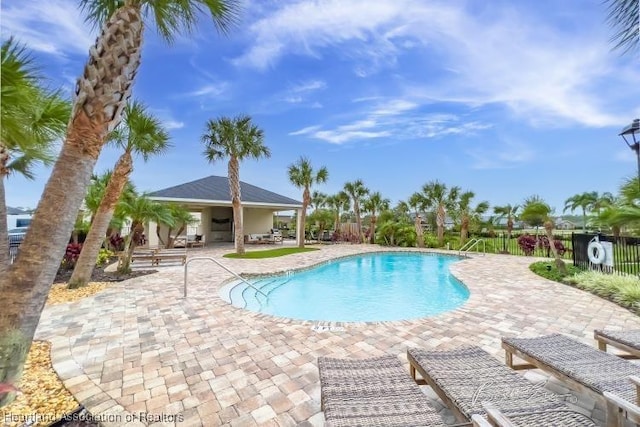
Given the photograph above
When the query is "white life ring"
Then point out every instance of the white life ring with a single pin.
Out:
(596, 253)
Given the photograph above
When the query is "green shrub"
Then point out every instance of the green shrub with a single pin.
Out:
(548, 270)
(624, 290)
(103, 257)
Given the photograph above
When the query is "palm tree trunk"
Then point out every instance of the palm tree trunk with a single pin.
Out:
(236, 202)
(548, 226)
(101, 95)
(419, 231)
(4, 232)
(584, 220)
(137, 228)
(440, 217)
(509, 231)
(95, 238)
(306, 198)
(464, 230)
(160, 240)
(356, 211)
(372, 236)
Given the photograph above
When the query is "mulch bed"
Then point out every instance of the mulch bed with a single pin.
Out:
(43, 396)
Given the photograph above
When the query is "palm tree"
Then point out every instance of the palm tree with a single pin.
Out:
(32, 118)
(236, 138)
(356, 191)
(337, 203)
(140, 133)
(141, 210)
(584, 201)
(100, 97)
(510, 212)
(435, 194)
(374, 204)
(180, 217)
(418, 203)
(535, 211)
(468, 214)
(624, 17)
(302, 175)
(318, 200)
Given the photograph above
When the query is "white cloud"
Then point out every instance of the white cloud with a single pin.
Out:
(506, 55)
(309, 86)
(172, 124)
(55, 27)
(508, 155)
(393, 118)
(210, 90)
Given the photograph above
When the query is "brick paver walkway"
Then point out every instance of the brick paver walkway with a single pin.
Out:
(140, 353)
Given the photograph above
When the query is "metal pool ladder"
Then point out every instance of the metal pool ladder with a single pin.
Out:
(215, 261)
(471, 244)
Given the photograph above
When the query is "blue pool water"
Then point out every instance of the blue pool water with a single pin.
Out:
(373, 287)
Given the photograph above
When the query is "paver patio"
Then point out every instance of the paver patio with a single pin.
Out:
(138, 353)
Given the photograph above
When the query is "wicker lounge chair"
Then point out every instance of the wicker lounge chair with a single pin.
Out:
(372, 392)
(580, 366)
(628, 341)
(468, 379)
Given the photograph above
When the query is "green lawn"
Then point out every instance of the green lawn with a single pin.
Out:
(270, 253)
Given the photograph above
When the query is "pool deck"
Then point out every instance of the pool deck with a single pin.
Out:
(140, 348)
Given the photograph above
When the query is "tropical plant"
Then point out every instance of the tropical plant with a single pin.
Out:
(141, 210)
(100, 96)
(624, 17)
(140, 133)
(510, 212)
(437, 195)
(237, 139)
(467, 214)
(337, 203)
(417, 202)
(32, 118)
(302, 175)
(584, 201)
(374, 204)
(356, 191)
(535, 211)
(180, 217)
(318, 200)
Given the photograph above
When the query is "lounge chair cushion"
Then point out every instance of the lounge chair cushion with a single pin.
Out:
(629, 338)
(372, 392)
(587, 365)
(469, 376)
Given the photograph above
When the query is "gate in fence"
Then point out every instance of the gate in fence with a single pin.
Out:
(610, 254)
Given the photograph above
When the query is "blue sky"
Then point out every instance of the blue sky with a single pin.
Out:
(504, 98)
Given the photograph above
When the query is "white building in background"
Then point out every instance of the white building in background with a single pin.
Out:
(18, 218)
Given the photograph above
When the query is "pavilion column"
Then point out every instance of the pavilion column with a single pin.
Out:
(299, 230)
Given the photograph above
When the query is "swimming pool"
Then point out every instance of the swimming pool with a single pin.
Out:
(372, 287)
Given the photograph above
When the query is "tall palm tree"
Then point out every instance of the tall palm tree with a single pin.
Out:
(510, 212)
(624, 17)
(468, 214)
(101, 94)
(32, 118)
(535, 211)
(302, 175)
(356, 191)
(237, 139)
(417, 203)
(337, 203)
(140, 133)
(437, 194)
(375, 204)
(584, 201)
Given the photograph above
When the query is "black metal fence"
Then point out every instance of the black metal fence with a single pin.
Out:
(626, 254)
(527, 244)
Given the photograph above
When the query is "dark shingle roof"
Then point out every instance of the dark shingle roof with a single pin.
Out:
(15, 211)
(217, 188)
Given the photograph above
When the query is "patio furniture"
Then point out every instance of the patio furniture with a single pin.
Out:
(628, 341)
(156, 256)
(195, 241)
(372, 392)
(580, 366)
(624, 410)
(469, 380)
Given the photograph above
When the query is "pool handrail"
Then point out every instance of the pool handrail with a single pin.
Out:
(471, 244)
(219, 264)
